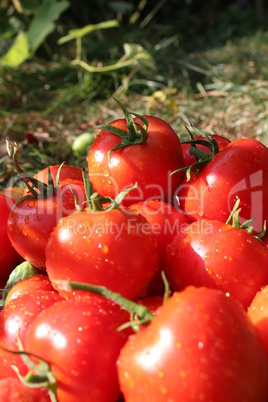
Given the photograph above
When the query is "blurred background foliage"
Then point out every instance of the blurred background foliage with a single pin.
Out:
(63, 61)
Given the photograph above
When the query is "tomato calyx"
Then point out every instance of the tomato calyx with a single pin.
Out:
(39, 374)
(233, 220)
(201, 157)
(140, 313)
(22, 271)
(135, 134)
(36, 188)
(95, 202)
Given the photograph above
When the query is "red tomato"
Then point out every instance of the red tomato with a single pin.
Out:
(258, 313)
(217, 255)
(9, 257)
(13, 390)
(15, 319)
(166, 221)
(67, 172)
(149, 164)
(115, 248)
(33, 219)
(13, 192)
(239, 170)
(200, 345)
(33, 284)
(189, 158)
(80, 341)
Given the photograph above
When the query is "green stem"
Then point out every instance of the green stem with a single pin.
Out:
(140, 311)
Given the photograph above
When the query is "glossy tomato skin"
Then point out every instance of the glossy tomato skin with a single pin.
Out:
(9, 257)
(13, 390)
(239, 170)
(83, 359)
(217, 255)
(189, 158)
(113, 248)
(166, 221)
(148, 164)
(200, 344)
(258, 313)
(34, 284)
(15, 320)
(32, 220)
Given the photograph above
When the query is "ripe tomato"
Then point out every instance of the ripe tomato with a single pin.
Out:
(217, 255)
(189, 159)
(15, 320)
(166, 221)
(258, 313)
(13, 390)
(33, 284)
(149, 164)
(33, 219)
(200, 345)
(114, 248)
(239, 170)
(80, 341)
(9, 257)
(67, 172)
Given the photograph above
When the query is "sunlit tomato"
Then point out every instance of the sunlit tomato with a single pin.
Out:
(33, 219)
(80, 341)
(239, 170)
(200, 345)
(67, 172)
(149, 164)
(9, 257)
(189, 158)
(15, 320)
(258, 313)
(13, 192)
(114, 248)
(33, 284)
(217, 255)
(13, 390)
(166, 221)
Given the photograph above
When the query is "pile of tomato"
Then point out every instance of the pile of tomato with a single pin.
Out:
(141, 278)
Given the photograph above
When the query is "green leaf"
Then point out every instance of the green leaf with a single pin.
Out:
(79, 33)
(18, 52)
(43, 23)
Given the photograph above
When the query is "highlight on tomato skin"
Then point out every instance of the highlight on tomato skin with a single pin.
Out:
(114, 248)
(200, 342)
(148, 163)
(258, 313)
(217, 255)
(80, 341)
(33, 219)
(15, 320)
(240, 170)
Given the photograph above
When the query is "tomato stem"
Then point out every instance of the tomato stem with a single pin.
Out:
(135, 133)
(39, 374)
(36, 188)
(141, 312)
(201, 157)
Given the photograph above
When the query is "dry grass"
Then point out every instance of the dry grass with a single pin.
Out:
(221, 90)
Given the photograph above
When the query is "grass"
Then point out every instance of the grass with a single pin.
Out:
(221, 88)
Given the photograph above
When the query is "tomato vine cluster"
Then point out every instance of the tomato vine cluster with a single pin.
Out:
(141, 278)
